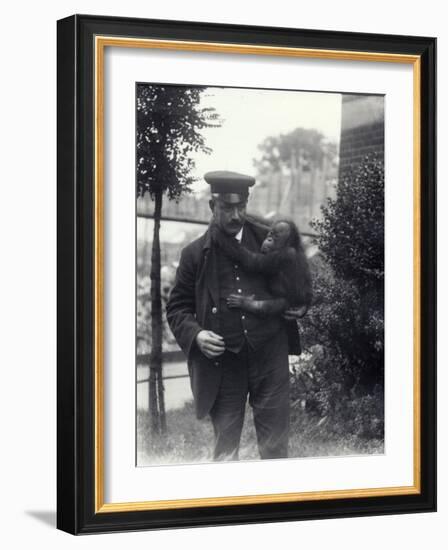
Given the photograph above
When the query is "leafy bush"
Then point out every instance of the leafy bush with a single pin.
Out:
(346, 321)
(351, 231)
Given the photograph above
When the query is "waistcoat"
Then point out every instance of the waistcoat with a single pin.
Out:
(238, 326)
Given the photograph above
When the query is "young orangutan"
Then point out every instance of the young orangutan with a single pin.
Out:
(282, 259)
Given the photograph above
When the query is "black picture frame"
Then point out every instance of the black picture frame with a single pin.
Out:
(77, 511)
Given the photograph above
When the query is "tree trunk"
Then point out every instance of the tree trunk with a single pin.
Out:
(156, 390)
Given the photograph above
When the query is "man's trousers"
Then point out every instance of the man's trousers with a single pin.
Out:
(263, 375)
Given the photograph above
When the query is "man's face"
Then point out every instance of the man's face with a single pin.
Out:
(229, 215)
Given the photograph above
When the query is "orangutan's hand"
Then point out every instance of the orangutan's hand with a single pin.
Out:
(235, 301)
(295, 313)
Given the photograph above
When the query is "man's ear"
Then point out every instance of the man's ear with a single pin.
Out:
(211, 203)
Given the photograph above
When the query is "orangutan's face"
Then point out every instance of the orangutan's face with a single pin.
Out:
(277, 238)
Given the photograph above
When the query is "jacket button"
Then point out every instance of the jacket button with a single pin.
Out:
(214, 310)
(216, 364)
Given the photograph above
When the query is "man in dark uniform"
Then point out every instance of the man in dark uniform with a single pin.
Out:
(231, 354)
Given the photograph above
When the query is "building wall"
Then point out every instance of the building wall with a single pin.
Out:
(362, 129)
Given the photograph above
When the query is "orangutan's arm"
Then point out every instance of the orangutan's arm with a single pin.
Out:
(262, 308)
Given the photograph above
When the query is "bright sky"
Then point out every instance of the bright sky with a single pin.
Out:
(252, 115)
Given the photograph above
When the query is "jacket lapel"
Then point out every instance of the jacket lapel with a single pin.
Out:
(209, 273)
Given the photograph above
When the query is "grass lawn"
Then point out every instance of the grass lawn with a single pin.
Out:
(190, 440)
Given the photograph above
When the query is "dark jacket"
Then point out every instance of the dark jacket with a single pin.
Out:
(192, 307)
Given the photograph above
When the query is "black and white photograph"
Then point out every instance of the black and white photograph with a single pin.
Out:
(246, 252)
(259, 274)
(221, 310)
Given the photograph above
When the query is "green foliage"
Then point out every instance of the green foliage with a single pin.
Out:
(351, 232)
(304, 147)
(169, 125)
(143, 325)
(319, 393)
(346, 322)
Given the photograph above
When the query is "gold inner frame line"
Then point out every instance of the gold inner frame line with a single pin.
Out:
(101, 42)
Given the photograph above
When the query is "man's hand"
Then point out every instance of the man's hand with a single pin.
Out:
(210, 343)
(294, 313)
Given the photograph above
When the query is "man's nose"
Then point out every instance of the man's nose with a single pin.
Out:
(235, 214)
